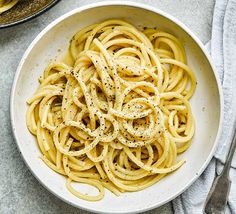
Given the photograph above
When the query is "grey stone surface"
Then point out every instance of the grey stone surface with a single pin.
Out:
(20, 192)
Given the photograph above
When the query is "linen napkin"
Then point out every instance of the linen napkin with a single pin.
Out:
(223, 51)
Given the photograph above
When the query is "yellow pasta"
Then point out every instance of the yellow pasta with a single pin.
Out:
(7, 5)
(118, 114)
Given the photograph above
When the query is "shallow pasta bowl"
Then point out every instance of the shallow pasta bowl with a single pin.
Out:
(25, 10)
(52, 43)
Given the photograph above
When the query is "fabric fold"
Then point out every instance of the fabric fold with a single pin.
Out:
(222, 48)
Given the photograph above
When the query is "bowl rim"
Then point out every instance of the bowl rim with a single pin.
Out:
(30, 17)
(141, 6)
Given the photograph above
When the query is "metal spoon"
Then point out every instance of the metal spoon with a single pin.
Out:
(217, 198)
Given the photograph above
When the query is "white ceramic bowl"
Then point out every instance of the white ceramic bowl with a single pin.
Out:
(206, 104)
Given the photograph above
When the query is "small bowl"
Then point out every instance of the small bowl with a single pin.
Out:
(52, 43)
(25, 10)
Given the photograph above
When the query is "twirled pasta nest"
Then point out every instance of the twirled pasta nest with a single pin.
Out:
(116, 114)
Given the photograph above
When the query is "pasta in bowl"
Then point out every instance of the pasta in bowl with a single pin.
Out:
(121, 112)
(119, 115)
(7, 5)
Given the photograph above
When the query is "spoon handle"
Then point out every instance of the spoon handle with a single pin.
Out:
(217, 198)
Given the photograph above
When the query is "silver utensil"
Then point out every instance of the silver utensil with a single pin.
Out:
(217, 198)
